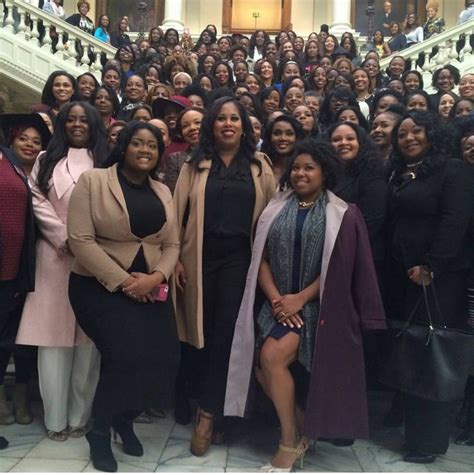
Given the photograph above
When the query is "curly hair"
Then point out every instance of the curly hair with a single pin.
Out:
(360, 117)
(452, 70)
(436, 134)
(321, 153)
(368, 157)
(207, 147)
(172, 61)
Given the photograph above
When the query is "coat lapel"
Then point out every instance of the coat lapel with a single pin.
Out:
(335, 211)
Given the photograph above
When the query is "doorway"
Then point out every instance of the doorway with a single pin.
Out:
(246, 16)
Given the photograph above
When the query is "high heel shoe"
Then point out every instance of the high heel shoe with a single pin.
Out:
(199, 442)
(130, 442)
(101, 453)
(299, 451)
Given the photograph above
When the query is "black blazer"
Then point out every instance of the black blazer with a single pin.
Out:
(26, 274)
(429, 217)
(368, 190)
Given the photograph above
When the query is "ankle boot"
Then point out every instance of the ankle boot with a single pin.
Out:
(130, 442)
(101, 452)
(6, 414)
(21, 404)
(466, 437)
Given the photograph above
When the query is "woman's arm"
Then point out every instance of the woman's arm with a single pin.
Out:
(82, 238)
(50, 224)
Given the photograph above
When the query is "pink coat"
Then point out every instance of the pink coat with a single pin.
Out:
(48, 319)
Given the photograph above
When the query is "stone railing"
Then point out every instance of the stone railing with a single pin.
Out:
(24, 20)
(440, 49)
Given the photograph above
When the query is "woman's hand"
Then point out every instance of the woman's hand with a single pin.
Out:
(130, 294)
(418, 275)
(287, 306)
(180, 275)
(291, 321)
(142, 285)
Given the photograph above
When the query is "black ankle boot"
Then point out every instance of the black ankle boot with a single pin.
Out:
(130, 442)
(182, 408)
(466, 437)
(101, 453)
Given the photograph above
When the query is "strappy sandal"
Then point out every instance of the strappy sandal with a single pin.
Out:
(299, 451)
(76, 432)
(60, 436)
(200, 443)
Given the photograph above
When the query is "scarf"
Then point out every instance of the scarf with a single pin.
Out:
(280, 253)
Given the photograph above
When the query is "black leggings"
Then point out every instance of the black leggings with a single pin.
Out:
(24, 363)
(225, 266)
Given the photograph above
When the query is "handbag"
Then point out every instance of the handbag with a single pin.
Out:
(427, 361)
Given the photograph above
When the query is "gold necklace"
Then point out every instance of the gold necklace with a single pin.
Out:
(305, 204)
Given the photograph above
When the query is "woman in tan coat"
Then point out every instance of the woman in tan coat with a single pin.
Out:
(220, 194)
(123, 233)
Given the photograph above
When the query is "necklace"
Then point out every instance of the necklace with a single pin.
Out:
(305, 204)
(413, 165)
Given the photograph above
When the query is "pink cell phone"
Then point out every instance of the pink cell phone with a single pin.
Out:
(160, 293)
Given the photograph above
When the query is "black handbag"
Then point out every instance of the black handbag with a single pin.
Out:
(427, 361)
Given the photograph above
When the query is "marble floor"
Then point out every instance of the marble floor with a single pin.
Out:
(248, 447)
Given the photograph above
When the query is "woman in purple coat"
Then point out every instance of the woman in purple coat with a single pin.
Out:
(312, 260)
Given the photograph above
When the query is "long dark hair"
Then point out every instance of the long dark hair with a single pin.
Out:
(47, 96)
(117, 155)
(368, 157)
(59, 145)
(112, 95)
(207, 147)
(267, 146)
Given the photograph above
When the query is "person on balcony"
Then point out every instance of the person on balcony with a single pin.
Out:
(468, 13)
(102, 30)
(81, 20)
(434, 25)
(412, 30)
(55, 7)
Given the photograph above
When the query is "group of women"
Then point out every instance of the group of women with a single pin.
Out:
(206, 235)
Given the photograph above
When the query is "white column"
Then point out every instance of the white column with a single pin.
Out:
(174, 10)
(341, 17)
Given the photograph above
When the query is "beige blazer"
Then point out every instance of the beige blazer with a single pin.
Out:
(191, 188)
(100, 236)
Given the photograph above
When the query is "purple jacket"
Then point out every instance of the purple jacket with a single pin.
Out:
(350, 303)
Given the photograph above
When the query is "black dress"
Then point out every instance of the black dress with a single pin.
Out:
(138, 343)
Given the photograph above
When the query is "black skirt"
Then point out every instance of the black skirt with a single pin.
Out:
(138, 344)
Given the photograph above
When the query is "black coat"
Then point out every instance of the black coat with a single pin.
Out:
(26, 275)
(428, 225)
(368, 190)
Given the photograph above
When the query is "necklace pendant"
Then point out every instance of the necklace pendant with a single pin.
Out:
(305, 204)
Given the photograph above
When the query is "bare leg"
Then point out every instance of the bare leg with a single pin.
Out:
(275, 358)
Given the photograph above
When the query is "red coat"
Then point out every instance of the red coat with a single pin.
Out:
(350, 303)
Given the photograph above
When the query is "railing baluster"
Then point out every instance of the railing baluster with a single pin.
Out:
(9, 20)
(85, 56)
(34, 35)
(22, 25)
(72, 49)
(426, 65)
(60, 45)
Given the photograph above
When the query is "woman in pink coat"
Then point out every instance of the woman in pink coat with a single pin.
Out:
(68, 363)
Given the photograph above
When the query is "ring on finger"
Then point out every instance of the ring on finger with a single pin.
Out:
(282, 314)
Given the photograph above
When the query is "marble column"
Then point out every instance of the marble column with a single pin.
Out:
(174, 12)
(341, 17)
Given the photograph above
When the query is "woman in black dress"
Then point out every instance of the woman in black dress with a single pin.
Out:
(123, 234)
(428, 216)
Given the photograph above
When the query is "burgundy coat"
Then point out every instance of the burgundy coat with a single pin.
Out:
(350, 303)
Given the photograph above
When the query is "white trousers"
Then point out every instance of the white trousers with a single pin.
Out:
(67, 379)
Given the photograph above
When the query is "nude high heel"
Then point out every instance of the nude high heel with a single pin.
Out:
(299, 451)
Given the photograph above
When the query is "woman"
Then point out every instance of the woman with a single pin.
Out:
(113, 132)
(271, 100)
(372, 67)
(157, 91)
(444, 79)
(461, 108)
(412, 81)
(434, 25)
(68, 363)
(266, 70)
(429, 211)
(155, 36)
(363, 90)
(135, 94)
(222, 73)
(241, 71)
(318, 81)
(446, 103)
(363, 182)
(293, 97)
(329, 45)
(258, 40)
(225, 44)
(180, 82)
(188, 127)
(114, 292)
(270, 51)
(111, 78)
(349, 44)
(383, 99)
(380, 44)
(81, 20)
(54, 7)
(412, 30)
(120, 37)
(324, 395)
(279, 141)
(170, 39)
(418, 100)
(310, 57)
(26, 135)
(351, 114)
(59, 89)
(102, 31)
(466, 86)
(396, 67)
(87, 84)
(381, 133)
(305, 116)
(142, 113)
(398, 40)
(222, 191)
(126, 58)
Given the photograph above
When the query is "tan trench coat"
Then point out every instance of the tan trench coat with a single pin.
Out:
(191, 188)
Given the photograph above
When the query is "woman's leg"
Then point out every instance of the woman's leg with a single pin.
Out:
(54, 371)
(275, 358)
(84, 377)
